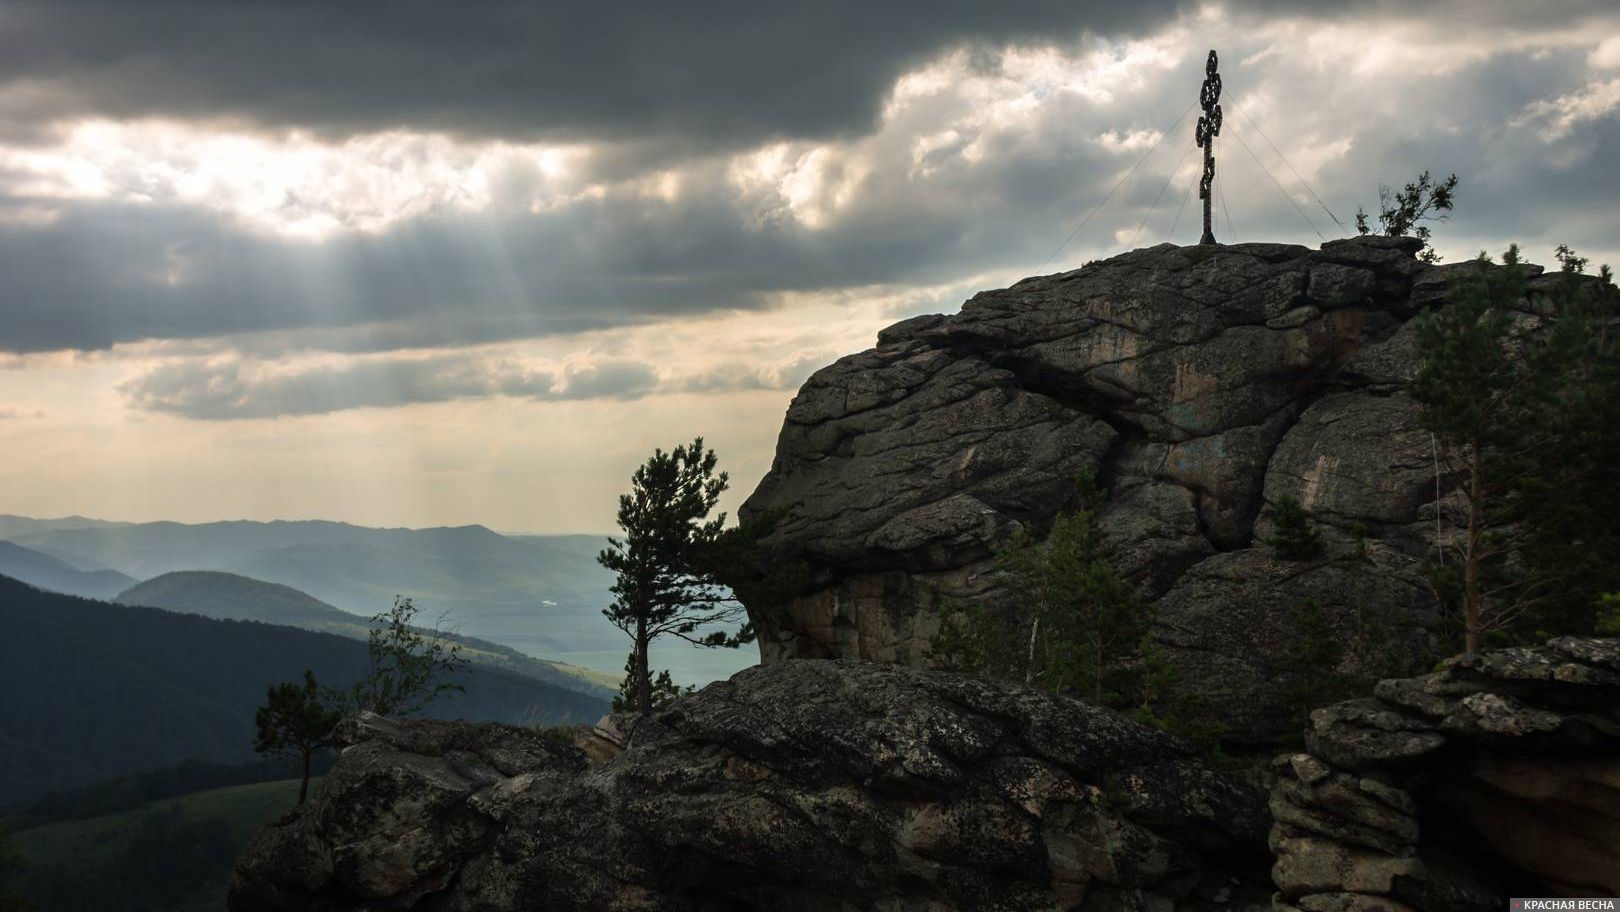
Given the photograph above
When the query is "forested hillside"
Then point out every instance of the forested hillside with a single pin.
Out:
(174, 855)
(229, 597)
(112, 689)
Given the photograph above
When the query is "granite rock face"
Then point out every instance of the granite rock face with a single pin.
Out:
(1497, 776)
(794, 786)
(1198, 384)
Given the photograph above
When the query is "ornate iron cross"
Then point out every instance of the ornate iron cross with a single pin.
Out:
(1209, 127)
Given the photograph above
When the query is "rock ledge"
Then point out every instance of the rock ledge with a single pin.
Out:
(825, 785)
(1497, 776)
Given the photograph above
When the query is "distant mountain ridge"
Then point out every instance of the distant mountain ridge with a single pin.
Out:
(47, 571)
(229, 596)
(101, 689)
(543, 592)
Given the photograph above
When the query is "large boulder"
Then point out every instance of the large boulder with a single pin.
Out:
(795, 786)
(1198, 384)
(1497, 776)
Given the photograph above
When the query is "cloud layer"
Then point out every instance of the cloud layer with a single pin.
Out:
(214, 390)
(651, 216)
(642, 71)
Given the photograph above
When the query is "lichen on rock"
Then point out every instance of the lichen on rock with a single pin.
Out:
(796, 786)
(1199, 384)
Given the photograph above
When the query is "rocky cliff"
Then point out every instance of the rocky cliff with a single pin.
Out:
(839, 785)
(794, 786)
(1198, 384)
(1497, 776)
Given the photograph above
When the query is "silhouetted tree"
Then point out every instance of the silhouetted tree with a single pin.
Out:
(1401, 212)
(294, 722)
(666, 564)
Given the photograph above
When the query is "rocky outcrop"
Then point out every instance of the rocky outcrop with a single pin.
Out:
(1497, 776)
(1197, 383)
(794, 786)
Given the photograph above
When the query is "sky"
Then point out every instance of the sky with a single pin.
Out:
(447, 263)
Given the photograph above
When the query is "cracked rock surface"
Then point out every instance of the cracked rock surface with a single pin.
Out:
(1497, 776)
(794, 786)
(1198, 384)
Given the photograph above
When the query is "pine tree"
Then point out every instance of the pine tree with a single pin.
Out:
(664, 688)
(668, 582)
(1293, 538)
(295, 722)
(1308, 666)
(1079, 625)
(1608, 619)
(1525, 408)
(1402, 212)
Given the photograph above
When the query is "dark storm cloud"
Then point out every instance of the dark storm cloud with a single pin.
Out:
(693, 75)
(107, 273)
(102, 273)
(704, 73)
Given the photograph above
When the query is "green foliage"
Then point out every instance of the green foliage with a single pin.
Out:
(174, 855)
(667, 582)
(1400, 213)
(1293, 538)
(406, 668)
(295, 723)
(664, 689)
(121, 793)
(1080, 626)
(1523, 397)
(560, 734)
(1308, 669)
(171, 852)
(1163, 706)
(754, 573)
(1358, 541)
(1608, 620)
(11, 865)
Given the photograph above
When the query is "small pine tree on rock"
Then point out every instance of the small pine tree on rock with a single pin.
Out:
(1293, 537)
(1308, 667)
(1079, 625)
(1400, 213)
